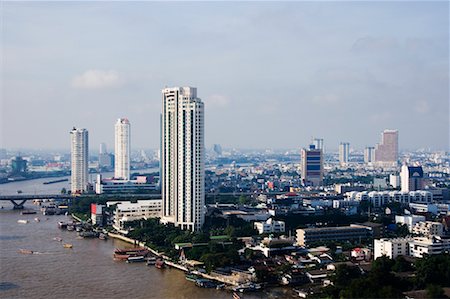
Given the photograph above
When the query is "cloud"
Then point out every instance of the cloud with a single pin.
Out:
(94, 79)
(217, 100)
(370, 43)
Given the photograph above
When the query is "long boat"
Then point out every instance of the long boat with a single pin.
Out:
(136, 259)
(55, 181)
(124, 254)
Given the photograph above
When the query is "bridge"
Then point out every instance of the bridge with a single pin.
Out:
(19, 200)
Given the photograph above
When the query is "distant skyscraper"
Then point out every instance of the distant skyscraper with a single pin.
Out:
(105, 160)
(312, 166)
(122, 149)
(318, 143)
(369, 154)
(102, 149)
(386, 153)
(217, 149)
(411, 178)
(344, 151)
(80, 159)
(182, 158)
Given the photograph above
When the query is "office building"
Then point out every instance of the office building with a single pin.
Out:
(105, 160)
(369, 154)
(386, 152)
(312, 166)
(318, 143)
(79, 160)
(122, 149)
(411, 178)
(182, 158)
(306, 236)
(344, 151)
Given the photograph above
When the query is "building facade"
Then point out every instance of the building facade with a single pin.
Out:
(182, 158)
(79, 151)
(386, 152)
(312, 166)
(122, 149)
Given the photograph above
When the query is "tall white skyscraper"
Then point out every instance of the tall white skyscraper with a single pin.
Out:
(122, 149)
(79, 158)
(182, 158)
(344, 151)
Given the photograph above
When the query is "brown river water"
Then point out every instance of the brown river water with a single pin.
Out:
(85, 271)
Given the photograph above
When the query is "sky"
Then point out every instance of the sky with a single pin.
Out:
(271, 75)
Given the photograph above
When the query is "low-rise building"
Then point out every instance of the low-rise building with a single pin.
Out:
(270, 226)
(429, 246)
(97, 214)
(414, 247)
(306, 236)
(391, 248)
(428, 229)
(138, 185)
(409, 220)
(128, 211)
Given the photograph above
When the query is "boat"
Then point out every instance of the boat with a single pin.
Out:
(28, 212)
(102, 236)
(68, 245)
(57, 239)
(160, 264)
(206, 283)
(55, 181)
(25, 251)
(191, 277)
(135, 259)
(247, 287)
(70, 227)
(124, 254)
(37, 219)
(88, 234)
(151, 261)
(21, 221)
(61, 224)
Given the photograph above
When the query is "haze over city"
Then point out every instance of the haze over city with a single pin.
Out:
(270, 74)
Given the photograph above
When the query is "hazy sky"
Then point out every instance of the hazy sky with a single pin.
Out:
(271, 74)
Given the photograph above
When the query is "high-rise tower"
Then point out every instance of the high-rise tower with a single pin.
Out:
(79, 158)
(312, 166)
(122, 149)
(344, 151)
(182, 158)
(386, 153)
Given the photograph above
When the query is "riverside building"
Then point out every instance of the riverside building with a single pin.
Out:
(79, 152)
(182, 158)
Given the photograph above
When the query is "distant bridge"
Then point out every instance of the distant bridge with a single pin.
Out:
(19, 200)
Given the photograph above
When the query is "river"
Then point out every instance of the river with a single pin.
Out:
(37, 186)
(86, 271)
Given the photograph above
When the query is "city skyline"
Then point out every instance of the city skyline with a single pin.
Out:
(283, 64)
